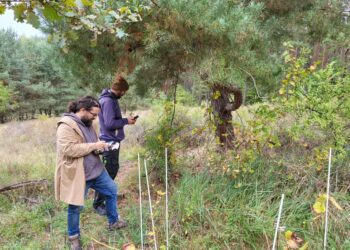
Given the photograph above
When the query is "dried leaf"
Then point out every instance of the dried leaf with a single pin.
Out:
(292, 244)
(335, 203)
(305, 247)
(159, 192)
(128, 246)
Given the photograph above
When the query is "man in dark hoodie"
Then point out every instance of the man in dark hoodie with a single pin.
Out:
(112, 131)
(80, 168)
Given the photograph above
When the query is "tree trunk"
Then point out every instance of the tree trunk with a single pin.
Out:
(222, 107)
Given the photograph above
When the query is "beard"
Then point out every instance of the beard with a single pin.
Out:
(87, 122)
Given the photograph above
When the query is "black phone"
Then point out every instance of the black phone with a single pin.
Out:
(135, 117)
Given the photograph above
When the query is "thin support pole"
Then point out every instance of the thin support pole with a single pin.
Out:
(166, 200)
(150, 207)
(278, 223)
(140, 198)
(327, 201)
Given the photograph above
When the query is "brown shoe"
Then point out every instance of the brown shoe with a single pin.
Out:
(75, 243)
(117, 225)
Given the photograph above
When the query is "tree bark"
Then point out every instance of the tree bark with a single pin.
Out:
(222, 107)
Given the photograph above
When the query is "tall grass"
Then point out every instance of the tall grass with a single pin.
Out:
(208, 212)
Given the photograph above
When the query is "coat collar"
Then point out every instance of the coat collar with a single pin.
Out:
(71, 123)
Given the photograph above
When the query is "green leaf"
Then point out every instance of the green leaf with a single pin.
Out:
(114, 14)
(18, 11)
(72, 35)
(124, 9)
(87, 3)
(93, 43)
(70, 3)
(50, 13)
(87, 22)
(33, 20)
(2, 9)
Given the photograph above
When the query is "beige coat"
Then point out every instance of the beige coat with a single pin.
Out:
(69, 174)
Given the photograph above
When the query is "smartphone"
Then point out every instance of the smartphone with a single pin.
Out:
(135, 117)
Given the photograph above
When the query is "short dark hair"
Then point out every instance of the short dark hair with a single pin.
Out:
(86, 102)
(120, 83)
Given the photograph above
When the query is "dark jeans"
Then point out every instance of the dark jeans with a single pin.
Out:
(106, 186)
(111, 161)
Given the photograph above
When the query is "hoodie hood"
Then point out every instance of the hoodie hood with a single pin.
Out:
(108, 93)
(75, 118)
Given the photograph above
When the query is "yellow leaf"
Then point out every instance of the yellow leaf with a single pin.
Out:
(282, 91)
(159, 192)
(288, 235)
(313, 67)
(238, 185)
(123, 9)
(319, 207)
(322, 198)
(150, 233)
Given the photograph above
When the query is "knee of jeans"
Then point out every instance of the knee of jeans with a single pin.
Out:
(114, 189)
(75, 209)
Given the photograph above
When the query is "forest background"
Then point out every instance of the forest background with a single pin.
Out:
(247, 96)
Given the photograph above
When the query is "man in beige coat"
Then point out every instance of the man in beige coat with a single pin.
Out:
(79, 166)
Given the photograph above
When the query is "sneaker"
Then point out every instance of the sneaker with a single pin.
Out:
(117, 225)
(101, 210)
(75, 243)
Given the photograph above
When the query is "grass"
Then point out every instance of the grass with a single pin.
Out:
(208, 210)
(216, 215)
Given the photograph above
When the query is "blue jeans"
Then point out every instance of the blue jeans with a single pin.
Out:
(111, 161)
(104, 185)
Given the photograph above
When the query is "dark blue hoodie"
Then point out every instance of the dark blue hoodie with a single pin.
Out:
(111, 120)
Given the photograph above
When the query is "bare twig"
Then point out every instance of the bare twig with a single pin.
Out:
(103, 244)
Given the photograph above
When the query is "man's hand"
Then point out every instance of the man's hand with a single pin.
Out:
(131, 120)
(101, 145)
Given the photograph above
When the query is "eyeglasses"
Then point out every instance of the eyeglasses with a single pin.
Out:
(93, 114)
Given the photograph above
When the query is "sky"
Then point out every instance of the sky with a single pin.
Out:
(7, 21)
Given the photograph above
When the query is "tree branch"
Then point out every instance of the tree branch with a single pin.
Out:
(24, 184)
